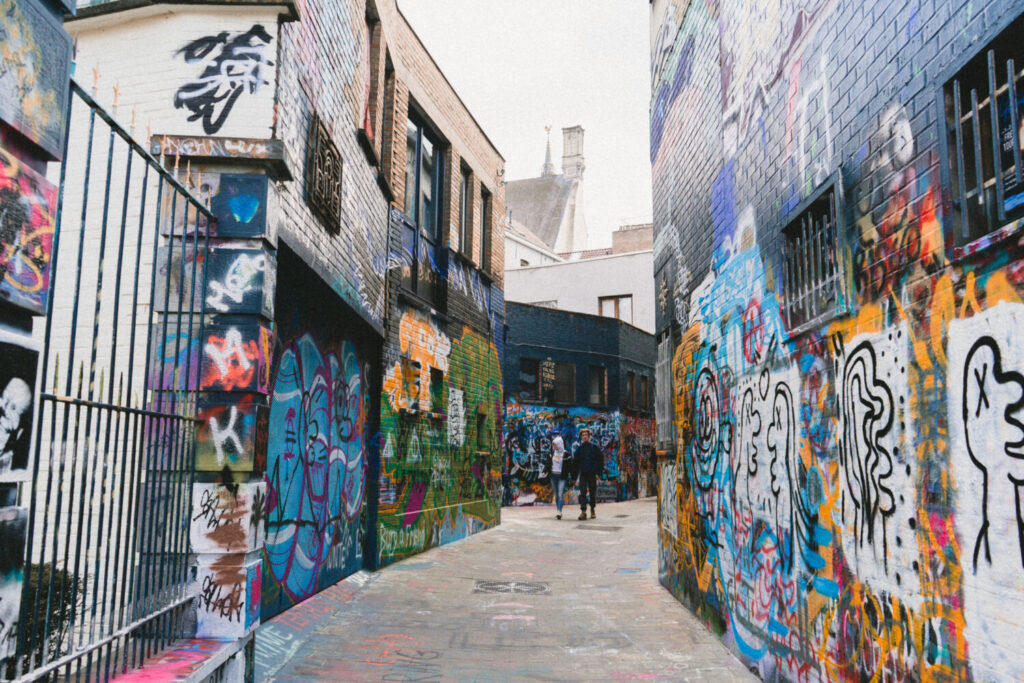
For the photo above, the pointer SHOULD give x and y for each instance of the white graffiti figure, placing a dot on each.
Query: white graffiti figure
(993, 403)
(232, 347)
(241, 277)
(224, 436)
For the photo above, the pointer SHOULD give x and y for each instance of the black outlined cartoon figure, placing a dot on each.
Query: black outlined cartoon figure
(867, 417)
(993, 401)
(233, 66)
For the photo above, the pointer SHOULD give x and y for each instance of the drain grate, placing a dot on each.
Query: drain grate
(521, 587)
(595, 527)
(621, 516)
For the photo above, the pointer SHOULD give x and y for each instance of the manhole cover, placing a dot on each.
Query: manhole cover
(594, 527)
(521, 587)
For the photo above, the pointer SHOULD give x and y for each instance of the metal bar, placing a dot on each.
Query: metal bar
(978, 162)
(997, 162)
(89, 463)
(961, 166)
(141, 436)
(1011, 75)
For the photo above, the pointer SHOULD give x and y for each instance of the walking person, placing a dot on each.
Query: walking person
(559, 471)
(590, 463)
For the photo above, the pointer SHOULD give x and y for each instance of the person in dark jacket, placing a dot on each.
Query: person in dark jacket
(589, 462)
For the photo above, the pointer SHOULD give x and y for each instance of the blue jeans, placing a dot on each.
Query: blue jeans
(558, 486)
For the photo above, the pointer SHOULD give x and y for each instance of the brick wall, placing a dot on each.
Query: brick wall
(830, 504)
(553, 336)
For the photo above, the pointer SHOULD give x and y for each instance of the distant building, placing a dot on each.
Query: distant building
(548, 209)
(614, 282)
(564, 371)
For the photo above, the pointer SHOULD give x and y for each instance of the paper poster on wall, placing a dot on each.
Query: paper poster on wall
(19, 382)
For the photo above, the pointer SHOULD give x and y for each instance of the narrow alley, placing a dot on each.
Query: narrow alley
(533, 599)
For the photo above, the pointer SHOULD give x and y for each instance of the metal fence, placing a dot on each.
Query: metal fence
(106, 580)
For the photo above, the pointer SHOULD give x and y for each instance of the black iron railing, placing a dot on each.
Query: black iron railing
(106, 579)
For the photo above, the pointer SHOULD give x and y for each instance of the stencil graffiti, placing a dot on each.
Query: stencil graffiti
(19, 360)
(232, 65)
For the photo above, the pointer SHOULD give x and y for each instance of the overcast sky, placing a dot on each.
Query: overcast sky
(520, 65)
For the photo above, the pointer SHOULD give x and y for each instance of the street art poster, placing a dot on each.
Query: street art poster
(13, 529)
(19, 395)
(35, 64)
(229, 595)
(29, 204)
(239, 202)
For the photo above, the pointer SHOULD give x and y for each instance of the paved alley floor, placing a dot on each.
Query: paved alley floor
(585, 605)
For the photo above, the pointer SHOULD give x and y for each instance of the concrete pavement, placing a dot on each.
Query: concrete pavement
(535, 599)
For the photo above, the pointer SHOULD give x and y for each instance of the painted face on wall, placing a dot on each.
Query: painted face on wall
(15, 401)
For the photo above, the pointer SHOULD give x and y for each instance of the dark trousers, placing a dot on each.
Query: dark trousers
(588, 482)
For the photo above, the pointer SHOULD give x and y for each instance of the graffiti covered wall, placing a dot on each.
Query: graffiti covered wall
(320, 433)
(624, 438)
(835, 493)
(440, 473)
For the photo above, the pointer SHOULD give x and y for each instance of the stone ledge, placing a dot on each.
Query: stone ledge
(193, 659)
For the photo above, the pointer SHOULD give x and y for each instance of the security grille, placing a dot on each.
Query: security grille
(810, 272)
(521, 587)
(984, 162)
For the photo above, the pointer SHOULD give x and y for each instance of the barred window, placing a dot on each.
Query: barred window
(810, 272)
(984, 141)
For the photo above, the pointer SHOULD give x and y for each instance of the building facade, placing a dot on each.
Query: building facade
(565, 371)
(344, 278)
(837, 216)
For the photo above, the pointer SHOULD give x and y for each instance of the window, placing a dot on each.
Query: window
(984, 142)
(598, 384)
(620, 307)
(529, 379)
(485, 229)
(810, 274)
(565, 382)
(411, 383)
(369, 105)
(437, 396)
(631, 390)
(422, 179)
(645, 392)
(465, 212)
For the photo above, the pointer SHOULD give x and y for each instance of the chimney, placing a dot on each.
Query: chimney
(572, 152)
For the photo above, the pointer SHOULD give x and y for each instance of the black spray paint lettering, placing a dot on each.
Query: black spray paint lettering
(867, 417)
(233, 66)
(993, 399)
